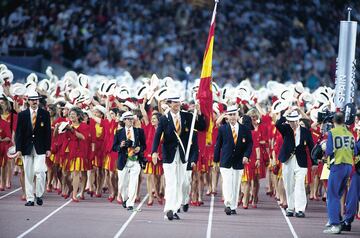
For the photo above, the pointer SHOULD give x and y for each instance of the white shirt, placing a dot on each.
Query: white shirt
(174, 117)
(32, 112)
(236, 127)
(297, 136)
(132, 137)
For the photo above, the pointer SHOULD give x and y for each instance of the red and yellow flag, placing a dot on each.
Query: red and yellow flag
(204, 94)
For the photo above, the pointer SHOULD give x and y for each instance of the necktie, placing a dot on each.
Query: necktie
(234, 135)
(33, 121)
(177, 125)
(130, 149)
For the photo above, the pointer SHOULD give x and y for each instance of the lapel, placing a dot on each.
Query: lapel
(170, 119)
(28, 116)
(183, 121)
(229, 130)
(38, 118)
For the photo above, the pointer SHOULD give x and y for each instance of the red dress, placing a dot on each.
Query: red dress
(110, 156)
(100, 133)
(10, 124)
(55, 142)
(250, 168)
(4, 146)
(77, 149)
(150, 168)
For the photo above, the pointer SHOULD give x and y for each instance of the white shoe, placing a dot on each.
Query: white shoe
(327, 224)
(335, 229)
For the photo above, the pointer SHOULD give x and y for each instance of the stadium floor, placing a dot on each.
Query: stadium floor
(96, 217)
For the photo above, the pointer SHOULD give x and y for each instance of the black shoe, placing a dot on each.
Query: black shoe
(289, 214)
(39, 201)
(29, 204)
(130, 208)
(345, 226)
(176, 217)
(178, 211)
(227, 211)
(300, 214)
(233, 212)
(170, 215)
(124, 204)
(186, 207)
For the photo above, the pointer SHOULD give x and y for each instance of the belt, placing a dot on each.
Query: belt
(133, 158)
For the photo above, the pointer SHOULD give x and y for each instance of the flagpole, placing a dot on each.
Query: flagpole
(187, 153)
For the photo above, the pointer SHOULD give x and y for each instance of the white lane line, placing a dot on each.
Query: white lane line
(208, 231)
(289, 224)
(44, 219)
(4, 196)
(122, 229)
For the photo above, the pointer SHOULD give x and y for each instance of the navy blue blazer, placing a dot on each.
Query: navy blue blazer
(120, 136)
(27, 137)
(170, 142)
(288, 147)
(226, 152)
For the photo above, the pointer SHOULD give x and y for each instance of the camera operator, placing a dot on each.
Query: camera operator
(129, 142)
(340, 148)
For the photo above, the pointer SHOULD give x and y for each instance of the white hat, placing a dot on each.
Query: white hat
(142, 91)
(100, 109)
(30, 86)
(173, 96)
(293, 116)
(232, 109)
(62, 126)
(244, 93)
(70, 77)
(44, 85)
(122, 92)
(83, 80)
(74, 94)
(130, 105)
(127, 115)
(109, 88)
(11, 153)
(33, 95)
(6, 76)
(299, 88)
(3, 67)
(32, 78)
(154, 82)
(168, 81)
(278, 106)
(17, 89)
(161, 94)
(49, 72)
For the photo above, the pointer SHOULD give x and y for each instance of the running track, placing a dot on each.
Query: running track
(96, 217)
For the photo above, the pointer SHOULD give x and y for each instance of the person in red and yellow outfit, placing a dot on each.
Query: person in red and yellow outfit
(77, 145)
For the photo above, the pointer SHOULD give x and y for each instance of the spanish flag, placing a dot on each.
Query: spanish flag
(204, 94)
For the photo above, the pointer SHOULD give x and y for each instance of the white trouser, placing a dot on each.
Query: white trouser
(34, 164)
(128, 180)
(186, 187)
(294, 183)
(231, 186)
(174, 174)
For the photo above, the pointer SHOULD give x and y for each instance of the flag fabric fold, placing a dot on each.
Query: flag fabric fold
(204, 94)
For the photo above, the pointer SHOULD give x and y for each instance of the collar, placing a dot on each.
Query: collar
(174, 115)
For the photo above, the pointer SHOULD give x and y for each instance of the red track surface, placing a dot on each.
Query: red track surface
(96, 217)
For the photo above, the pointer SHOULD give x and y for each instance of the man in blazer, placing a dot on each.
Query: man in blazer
(130, 143)
(293, 158)
(175, 128)
(33, 140)
(233, 149)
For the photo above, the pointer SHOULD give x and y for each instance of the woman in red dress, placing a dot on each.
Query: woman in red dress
(10, 117)
(77, 146)
(5, 139)
(111, 157)
(101, 128)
